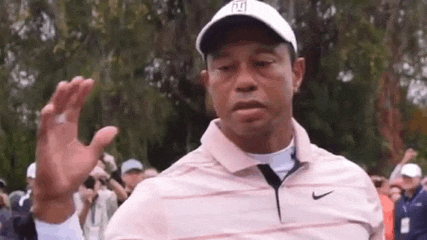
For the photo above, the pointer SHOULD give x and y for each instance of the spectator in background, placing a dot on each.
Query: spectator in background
(96, 204)
(395, 179)
(108, 163)
(132, 174)
(15, 196)
(24, 204)
(383, 189)
(6, 223)
(395, 193)
(109, 175)
(411, 216)
(408, 156)
(21, 210)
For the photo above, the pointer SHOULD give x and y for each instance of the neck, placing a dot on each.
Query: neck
(264, 142)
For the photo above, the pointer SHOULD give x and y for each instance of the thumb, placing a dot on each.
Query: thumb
(102, 139)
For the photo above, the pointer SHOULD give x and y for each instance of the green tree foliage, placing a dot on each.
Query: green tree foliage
(142, 55)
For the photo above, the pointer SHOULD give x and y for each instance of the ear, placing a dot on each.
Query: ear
(204, 78)
(298, 72)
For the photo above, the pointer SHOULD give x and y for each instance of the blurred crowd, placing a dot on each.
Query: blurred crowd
(402, 196)
(107, 187)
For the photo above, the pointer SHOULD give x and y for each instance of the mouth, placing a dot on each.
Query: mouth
(247, 105)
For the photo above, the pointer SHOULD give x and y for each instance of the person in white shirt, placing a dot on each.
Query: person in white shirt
(95, 205)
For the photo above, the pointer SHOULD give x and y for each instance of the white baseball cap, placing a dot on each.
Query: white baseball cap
(253, 9)
(131, 164)
(411, 170)
(31, 170)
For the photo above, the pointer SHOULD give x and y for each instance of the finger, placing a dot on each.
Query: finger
(102, 139)
(76, 103)
(60, 96)
(46, 120)
(59, 90)
(64, 93)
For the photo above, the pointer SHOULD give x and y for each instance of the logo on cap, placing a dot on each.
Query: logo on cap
(239, 6)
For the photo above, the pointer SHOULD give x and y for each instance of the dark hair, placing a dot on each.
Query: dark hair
(378, 181)
(378, 184)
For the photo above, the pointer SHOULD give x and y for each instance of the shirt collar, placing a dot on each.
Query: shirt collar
(418, 190)
(235, 159)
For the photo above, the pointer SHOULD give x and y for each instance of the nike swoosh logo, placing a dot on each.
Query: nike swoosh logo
(320, 196)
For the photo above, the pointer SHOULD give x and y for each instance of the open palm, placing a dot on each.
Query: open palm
(63, 161)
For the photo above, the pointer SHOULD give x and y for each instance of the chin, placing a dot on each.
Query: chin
(255, 128)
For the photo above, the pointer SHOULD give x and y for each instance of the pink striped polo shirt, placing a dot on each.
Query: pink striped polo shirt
(218, 192)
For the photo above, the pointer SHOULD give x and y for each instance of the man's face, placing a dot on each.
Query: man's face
(410, 183)
(252, 80)
(132, 177)
(395, 194)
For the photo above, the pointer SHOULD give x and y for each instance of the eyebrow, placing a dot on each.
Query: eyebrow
(269, 49)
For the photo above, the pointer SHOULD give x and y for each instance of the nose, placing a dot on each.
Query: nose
(245, 81)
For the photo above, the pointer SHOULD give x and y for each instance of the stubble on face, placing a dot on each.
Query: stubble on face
(411, 184)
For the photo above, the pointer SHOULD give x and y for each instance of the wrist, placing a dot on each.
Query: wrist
(53, 211)
(87, 202)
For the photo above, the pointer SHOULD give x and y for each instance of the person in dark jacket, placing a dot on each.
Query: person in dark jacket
(411, 219)
(22, 220)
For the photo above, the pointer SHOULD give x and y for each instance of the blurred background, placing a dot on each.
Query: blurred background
(364, 94)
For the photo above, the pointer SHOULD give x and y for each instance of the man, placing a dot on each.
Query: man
(395, 176)
(22, 221)
(25, 203)
(132, 174)
(255, 176)
(95, 204)
(411, 219)
(395, 192)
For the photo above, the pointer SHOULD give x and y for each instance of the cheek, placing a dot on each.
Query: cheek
(220, 93)
(280, 93)
(125, 179)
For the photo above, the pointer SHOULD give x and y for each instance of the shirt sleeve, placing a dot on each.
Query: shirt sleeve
(396, 172)
(68, 230)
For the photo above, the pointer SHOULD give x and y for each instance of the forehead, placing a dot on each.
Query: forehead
(250, 47)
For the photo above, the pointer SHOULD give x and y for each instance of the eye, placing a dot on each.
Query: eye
(226, 68)
(263, 63)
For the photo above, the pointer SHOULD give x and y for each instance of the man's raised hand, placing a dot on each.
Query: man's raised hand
(63, 162)
(408, 156)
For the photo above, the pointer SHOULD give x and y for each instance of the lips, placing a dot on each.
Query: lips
(247, 105)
